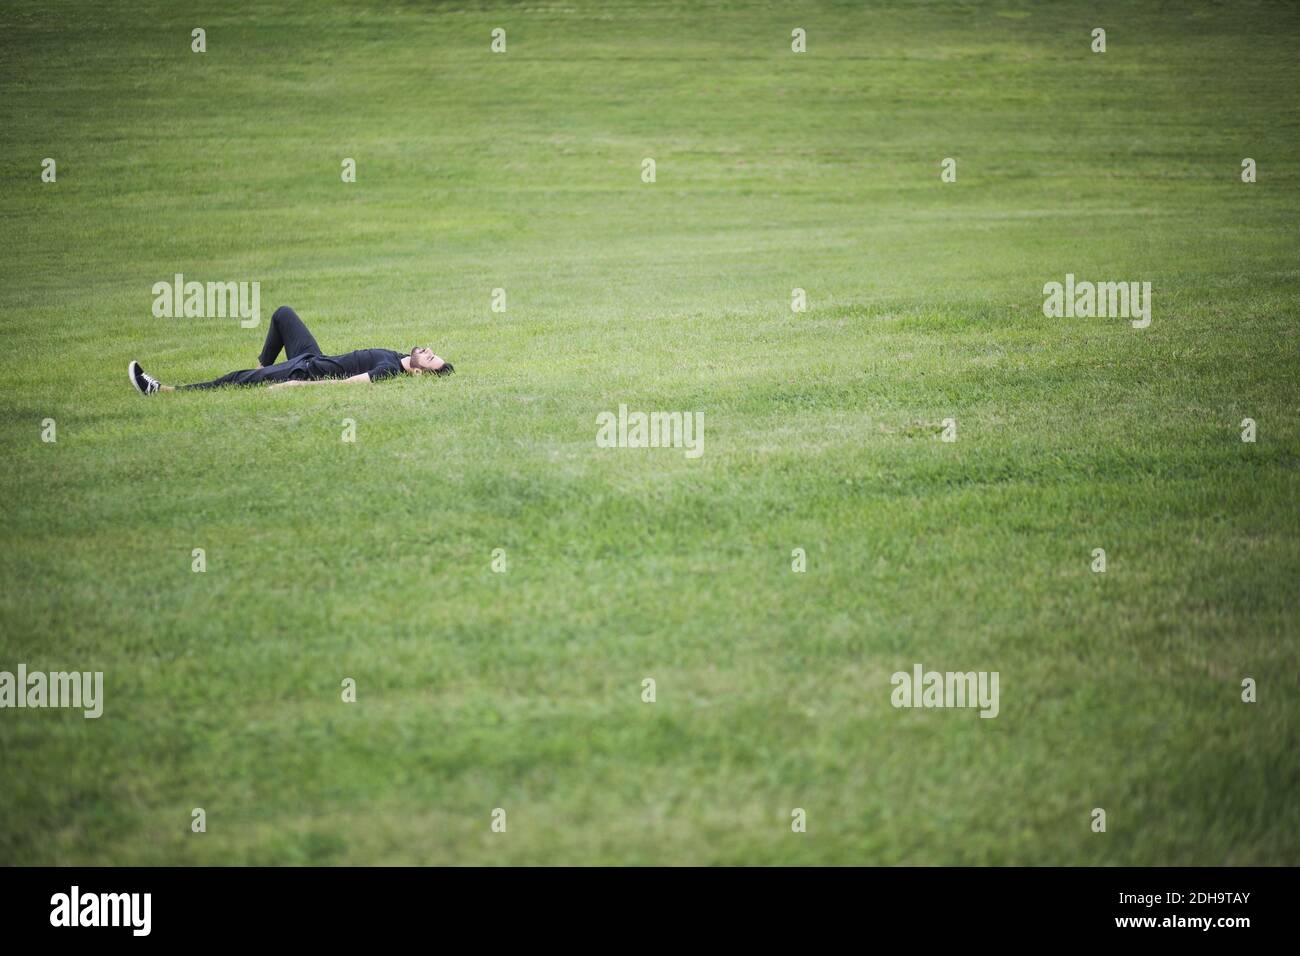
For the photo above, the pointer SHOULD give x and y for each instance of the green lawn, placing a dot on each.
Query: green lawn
(522, 690)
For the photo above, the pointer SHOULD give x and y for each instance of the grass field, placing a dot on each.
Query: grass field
(522, 690)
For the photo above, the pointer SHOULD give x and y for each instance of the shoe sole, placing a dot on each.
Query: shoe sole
(130, 374)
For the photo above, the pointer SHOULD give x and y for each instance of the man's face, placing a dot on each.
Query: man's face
(423, 360)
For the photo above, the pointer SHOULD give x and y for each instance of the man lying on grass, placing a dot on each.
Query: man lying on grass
(304, 364)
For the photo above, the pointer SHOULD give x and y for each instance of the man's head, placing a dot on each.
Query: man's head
(423, 360)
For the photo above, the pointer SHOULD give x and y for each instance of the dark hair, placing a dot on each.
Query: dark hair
(447, 369)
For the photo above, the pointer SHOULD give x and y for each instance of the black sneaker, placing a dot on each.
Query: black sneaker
(144, 384)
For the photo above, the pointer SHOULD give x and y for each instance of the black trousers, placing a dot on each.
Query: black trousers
(287, 332)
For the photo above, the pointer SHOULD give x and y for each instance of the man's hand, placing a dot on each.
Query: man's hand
(361, 377)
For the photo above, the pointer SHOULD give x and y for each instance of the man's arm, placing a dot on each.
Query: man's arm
(362, 377)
